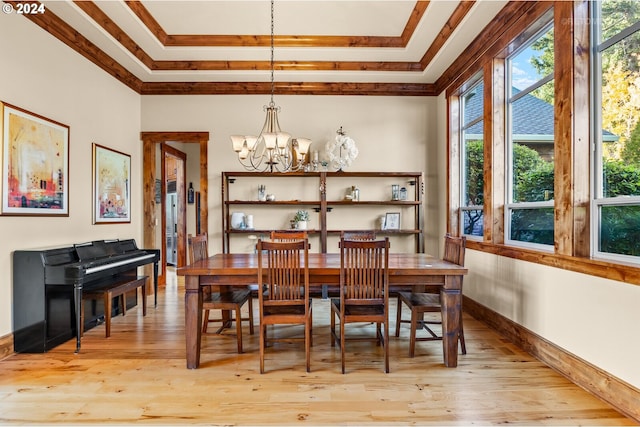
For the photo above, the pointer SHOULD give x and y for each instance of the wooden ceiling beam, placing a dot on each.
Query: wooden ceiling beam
(55, 26)
(286, 88)
(218, 40)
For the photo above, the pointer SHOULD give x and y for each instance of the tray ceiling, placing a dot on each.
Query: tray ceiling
(359, 42)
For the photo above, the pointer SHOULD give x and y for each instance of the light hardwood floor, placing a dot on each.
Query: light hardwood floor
(139, 376)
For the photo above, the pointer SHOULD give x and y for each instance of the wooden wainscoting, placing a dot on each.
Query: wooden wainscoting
(6, 346)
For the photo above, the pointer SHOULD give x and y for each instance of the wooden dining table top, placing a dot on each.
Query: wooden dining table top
(400, 264)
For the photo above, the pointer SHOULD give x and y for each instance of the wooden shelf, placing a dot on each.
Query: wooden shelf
(404, 231)
(275, 202)
(323, 207)
(256, 231)
(374, 202)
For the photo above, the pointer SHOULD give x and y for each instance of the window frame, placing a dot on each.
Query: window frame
(486, 55)
(597, 165)
(510, 99)
(470, 85)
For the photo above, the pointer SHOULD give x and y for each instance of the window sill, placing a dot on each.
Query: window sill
(627, 273)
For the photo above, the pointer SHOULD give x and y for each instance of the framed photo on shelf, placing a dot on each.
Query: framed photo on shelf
(35, 164)
(111, 186)
(392, 221)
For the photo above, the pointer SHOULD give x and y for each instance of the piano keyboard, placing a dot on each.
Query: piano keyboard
(106, 266)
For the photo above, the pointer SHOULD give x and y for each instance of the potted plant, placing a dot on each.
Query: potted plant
(301, 218)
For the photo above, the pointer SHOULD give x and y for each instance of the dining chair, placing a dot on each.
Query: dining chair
(283, 278)
(364, 292)
(288, 235)
(425, 302)
(228, 299)
(358, 235)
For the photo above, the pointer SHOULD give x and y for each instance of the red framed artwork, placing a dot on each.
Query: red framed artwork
(35, 164)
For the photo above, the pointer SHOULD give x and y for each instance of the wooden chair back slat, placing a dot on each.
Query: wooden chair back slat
(358, 235)
(286, 278)
(198, 247)
(454, 249)
(288, 235)
(364, 270)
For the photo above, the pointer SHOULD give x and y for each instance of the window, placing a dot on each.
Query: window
(529, 217)
(472, 156)
(616, 83)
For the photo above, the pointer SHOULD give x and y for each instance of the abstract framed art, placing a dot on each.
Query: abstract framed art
(35, 164)
(111, 186)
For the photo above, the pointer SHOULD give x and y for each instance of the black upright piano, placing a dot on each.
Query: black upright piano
(48, 285)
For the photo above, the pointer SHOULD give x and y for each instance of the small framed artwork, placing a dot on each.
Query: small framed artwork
(35, 164)
(111, 186)
(392, 221)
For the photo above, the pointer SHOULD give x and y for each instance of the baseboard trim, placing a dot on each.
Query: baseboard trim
(622, 396)
(6, 346)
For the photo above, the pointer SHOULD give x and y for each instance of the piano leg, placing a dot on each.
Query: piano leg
(77, 299)
(155, 284)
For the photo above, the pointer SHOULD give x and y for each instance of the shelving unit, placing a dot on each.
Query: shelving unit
(324, 193)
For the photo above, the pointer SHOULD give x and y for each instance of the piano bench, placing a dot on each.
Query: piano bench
(111, 290)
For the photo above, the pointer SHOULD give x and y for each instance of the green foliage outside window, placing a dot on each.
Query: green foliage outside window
(474, 188)
(531, 177)
(532, 225)
(474, 173)
(620, 224)
(620, 230)
(532, 182)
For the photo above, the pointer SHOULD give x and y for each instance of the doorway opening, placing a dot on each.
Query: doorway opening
(173, 196)
(154, 222)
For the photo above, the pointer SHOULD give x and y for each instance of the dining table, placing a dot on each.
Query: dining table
(414, 270)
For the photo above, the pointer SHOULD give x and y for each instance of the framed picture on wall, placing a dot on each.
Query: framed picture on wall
(111, 186)
(392, 221)
(35, 164)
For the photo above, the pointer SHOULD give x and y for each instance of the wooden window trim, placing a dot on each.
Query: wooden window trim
(573, 154)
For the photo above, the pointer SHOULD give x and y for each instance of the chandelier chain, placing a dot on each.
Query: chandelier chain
(272, 150)
(272, 61)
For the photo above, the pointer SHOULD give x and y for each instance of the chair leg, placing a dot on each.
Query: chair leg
(307, 343)
(239, 328)
(386, 347)
(398, 317)
(250, 307)
(263, 334)
(205, 322)
(333, 328)
(342, 343)
(412, 333)
(461, 336)
(310, 327)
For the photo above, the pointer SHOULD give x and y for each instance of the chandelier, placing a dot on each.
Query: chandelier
(272, 150)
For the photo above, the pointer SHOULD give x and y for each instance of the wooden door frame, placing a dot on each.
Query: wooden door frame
(181, 191)
(149, 175)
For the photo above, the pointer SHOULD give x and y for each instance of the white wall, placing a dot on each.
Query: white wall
(392, 134)
(595, 319)
(40, 74)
